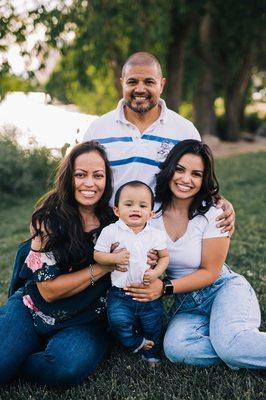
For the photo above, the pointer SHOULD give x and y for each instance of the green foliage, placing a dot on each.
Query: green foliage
(23, 172)
(251, 122)
(97, 97)
(11, 83)
(124, 376)
(96, 36)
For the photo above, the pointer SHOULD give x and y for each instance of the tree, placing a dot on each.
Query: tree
(204, 95)
(236, 37)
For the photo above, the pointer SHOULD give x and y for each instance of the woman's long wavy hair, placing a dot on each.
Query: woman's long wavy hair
(209, 190)
(57, 212)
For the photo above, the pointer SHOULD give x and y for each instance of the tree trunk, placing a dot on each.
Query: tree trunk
(203, 112)
(179, 33)
(203, 102)
(117, 71)
(234, 97)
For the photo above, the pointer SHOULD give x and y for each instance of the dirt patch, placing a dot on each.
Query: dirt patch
(222, 149)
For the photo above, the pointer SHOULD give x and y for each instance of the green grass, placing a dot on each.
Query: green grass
(123, 376)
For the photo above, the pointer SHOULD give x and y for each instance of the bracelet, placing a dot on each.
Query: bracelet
(91, 275)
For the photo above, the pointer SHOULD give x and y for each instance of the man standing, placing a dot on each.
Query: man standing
(141, 131)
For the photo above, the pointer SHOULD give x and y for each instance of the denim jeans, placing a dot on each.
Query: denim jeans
(132, 321)
(217, 323)
(62, 359)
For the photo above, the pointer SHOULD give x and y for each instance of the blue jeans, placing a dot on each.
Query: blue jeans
(62, 359)
(217, 323)
(132, 321)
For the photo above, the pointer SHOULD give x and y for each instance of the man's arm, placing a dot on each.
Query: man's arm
(227, 218)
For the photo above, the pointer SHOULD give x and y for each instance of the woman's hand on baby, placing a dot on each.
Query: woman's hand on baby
(119, 267)
(121, 257)
(152, 258)
(149, 276)
(144, 293)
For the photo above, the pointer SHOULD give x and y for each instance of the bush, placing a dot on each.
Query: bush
(251, 122)
(23, 171)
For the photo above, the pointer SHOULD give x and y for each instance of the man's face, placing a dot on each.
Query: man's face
(142, 86)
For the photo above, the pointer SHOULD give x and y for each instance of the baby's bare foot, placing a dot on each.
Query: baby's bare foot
(148, 344)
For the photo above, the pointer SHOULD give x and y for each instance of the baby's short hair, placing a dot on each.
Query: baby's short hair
(133, 184)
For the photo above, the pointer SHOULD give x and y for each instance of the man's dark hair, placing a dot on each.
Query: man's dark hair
(142, 58)
(133, 184)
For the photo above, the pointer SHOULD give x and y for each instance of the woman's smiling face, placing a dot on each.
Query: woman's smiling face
(89, 178)
(188, 176)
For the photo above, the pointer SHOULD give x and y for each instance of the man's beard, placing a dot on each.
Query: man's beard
(140, 109)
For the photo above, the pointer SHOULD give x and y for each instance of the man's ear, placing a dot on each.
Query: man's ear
(163, 82)
(116, 211)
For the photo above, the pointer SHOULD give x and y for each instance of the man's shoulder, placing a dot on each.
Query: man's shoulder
(103, 119)
(98, 127)
(177, 118)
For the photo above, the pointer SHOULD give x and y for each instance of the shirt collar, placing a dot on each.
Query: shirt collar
(124, 227)
(120, 114)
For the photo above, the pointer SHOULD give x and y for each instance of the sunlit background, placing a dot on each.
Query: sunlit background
(60, 64)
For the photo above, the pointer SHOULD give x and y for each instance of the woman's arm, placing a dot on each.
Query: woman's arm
(214, 252)
(121, 257)
(67, 285)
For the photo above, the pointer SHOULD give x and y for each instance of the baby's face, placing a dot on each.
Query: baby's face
(134, 207)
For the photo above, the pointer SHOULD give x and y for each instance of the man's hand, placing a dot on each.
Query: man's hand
(227, 218)
(143, 293)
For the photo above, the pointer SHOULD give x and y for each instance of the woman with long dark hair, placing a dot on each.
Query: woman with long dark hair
(215, 315)
(51, 329)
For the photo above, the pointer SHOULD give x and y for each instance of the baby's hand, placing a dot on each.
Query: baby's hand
(122, 257)
(149, 276)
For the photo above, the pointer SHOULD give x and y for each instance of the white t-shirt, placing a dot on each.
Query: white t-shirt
(138, 244)
(185, 253)
(134, 155)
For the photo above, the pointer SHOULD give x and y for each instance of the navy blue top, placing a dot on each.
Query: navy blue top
(79, 308)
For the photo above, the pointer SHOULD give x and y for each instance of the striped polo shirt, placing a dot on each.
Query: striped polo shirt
(134, 155)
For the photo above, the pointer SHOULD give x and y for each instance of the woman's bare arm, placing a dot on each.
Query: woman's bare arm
(67, 285)
(214, 252)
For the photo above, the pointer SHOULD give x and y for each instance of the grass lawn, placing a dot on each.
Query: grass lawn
(123, 376)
